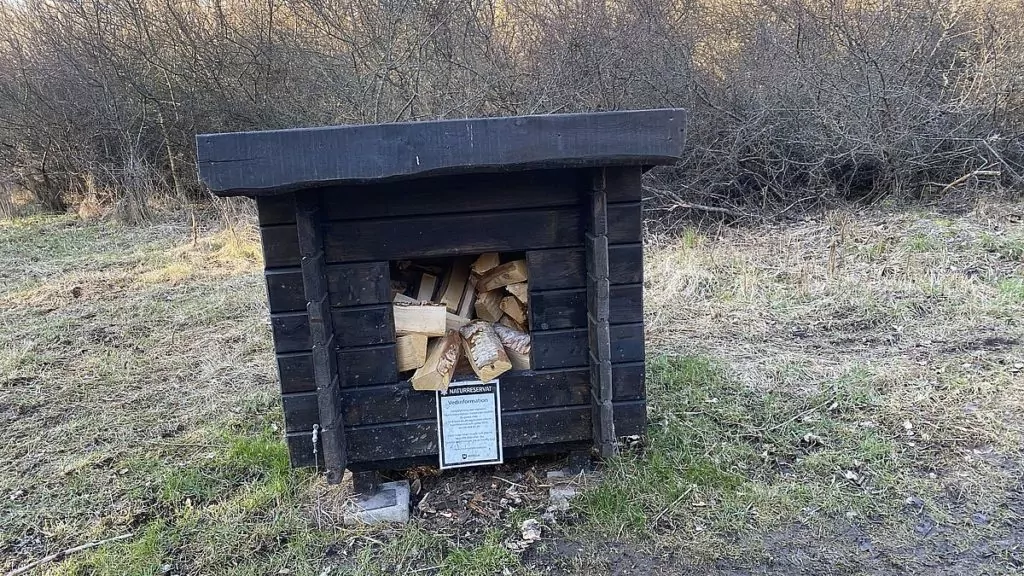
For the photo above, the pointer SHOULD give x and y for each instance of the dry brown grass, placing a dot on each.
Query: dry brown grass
(137, 393)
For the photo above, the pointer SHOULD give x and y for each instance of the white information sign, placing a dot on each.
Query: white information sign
(469, 424)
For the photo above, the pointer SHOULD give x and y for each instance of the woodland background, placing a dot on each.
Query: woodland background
(793, 102)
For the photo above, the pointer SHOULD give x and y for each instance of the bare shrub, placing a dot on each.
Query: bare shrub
(792, 102)
(7, 210)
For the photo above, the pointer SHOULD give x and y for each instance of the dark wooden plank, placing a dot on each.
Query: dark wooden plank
(519, 391)
(511, 453)
(349, 285)
(628, 381)
(368, 365)
(566, 267)
(301, 411)
(359, 284)
(364, 325)
(320, 334)
(280, 246)
(398, 402)
(453, 194)
(296, 372)
(626, 263)
(277, 209)
(623, 183)
(259, 163)
(559, 349)
(625, 223)
(559, 309)
(548, 430)
(598, 312)
(284, 290)
(452, 234)
(555, 269)
(627, 343)
(569, 348)
(291, 332)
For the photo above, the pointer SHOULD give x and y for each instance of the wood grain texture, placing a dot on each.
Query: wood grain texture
(380, 446)
(569, 348)
(368, 365)
(623, 184)
(280, 246)
(295, 372)
(562, 268)
(320, 335)
(597, 224)
(454, 194)
(260, 163)
(559, 309)
(362, 326)
(625, 223)
(277, 209)
(397, 401)
(452, 234)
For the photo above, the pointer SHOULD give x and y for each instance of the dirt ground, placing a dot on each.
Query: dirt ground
(837, 394)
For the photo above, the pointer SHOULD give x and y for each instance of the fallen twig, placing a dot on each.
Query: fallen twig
(968, 176)
(68, 552)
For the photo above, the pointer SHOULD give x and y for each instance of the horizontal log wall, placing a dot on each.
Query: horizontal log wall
(535, 212)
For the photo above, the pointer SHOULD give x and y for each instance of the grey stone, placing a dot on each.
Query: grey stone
(389, 504)
(560, 496)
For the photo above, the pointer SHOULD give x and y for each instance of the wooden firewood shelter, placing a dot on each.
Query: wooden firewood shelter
(338, 206)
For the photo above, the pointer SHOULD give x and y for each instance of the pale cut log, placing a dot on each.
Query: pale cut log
(517, 345)
(442, 357)
(501, 276)
(511, 323)
(520, 290)
(488, 305)
(411, 350)
(452, 321)
(420, 318)
(513, 339)
(455, 284)
(483, 348)
(428, 284)
(485, 263)
(468, 298)
(513, 307)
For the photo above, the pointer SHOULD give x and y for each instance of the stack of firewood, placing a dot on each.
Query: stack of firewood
(468, 315)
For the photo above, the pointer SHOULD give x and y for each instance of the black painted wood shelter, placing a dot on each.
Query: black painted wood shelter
(338, 204)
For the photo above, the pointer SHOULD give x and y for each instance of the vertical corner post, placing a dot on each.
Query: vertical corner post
(308, 219)
(598, 303)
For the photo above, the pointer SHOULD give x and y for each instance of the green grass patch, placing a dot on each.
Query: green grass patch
(922, 243)
(487, 558)
(1012, 290)
(724, 457)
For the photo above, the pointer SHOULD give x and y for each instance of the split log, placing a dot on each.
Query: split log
(488, 305)
(511, 323)
(468, 298)
(452, 321)
(514, 308)
(517, 345)
(428, 284)
(411, 350)
(436, 372)
(485, 263)
(455, 284)
(501, 276)
(420, 318)
(520, 290)
(483, 348)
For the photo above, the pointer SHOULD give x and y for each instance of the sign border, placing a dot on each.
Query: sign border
(497, 420)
